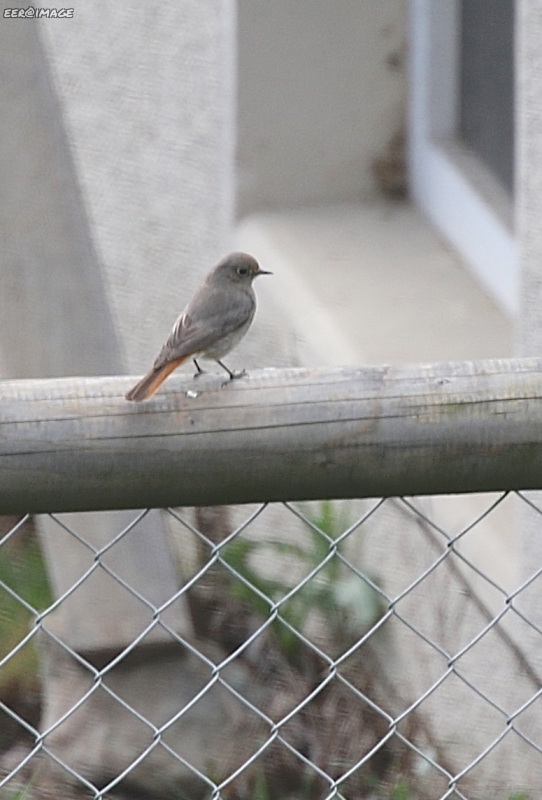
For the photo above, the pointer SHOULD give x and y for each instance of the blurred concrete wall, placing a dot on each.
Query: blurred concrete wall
(55, 317)
(321, 95)
(147, 95)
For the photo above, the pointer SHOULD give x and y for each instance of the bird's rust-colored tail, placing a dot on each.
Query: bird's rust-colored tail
(151, 382)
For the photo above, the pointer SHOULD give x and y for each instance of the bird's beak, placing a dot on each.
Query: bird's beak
(264, 272)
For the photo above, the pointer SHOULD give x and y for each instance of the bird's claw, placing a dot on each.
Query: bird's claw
(234, 376)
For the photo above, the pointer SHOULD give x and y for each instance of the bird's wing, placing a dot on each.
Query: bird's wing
(206, 319)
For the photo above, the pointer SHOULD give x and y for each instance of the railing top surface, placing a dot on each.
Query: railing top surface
(295, 434)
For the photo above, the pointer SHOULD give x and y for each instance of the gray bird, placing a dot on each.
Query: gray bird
(212, 324)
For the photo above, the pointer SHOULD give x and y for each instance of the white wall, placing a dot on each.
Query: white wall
(148, 100)
(321, 93)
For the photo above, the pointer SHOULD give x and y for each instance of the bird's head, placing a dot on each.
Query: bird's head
(238, 268)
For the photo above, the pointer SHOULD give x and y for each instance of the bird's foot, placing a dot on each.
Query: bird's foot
(234, 376)
(200, 371)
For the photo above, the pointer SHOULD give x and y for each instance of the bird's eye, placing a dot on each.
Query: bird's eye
(243, 271)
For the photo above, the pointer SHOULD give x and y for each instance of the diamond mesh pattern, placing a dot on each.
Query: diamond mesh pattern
(362, 649)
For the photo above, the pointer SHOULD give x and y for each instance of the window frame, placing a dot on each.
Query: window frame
(449, 182)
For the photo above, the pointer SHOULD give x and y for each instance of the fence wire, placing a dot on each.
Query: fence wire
(383, 649)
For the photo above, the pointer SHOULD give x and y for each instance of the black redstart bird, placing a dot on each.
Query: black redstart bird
(212, 324)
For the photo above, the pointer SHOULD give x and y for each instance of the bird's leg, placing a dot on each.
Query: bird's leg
(200, 371)
(233, 375)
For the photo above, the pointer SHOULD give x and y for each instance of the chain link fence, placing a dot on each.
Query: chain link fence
(378, 648)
